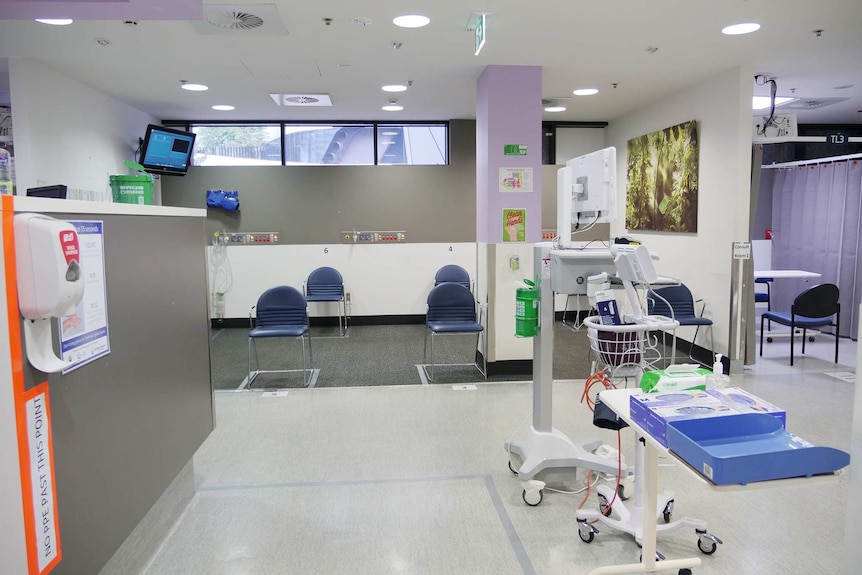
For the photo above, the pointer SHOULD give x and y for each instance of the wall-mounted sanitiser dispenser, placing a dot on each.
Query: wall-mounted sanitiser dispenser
(50, 282)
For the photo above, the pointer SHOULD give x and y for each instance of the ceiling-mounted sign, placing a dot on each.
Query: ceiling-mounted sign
(480, 34)
(515, 149)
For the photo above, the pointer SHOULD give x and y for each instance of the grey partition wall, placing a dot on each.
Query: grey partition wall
(312, 204)
(126, 424)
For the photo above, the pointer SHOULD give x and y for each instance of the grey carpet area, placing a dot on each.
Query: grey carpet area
(375, 355)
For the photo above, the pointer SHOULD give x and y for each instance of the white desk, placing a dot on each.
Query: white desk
(618, 401)
(786, 274)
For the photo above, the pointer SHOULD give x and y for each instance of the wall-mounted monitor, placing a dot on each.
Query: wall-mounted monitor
(586, 190)
(167, 151)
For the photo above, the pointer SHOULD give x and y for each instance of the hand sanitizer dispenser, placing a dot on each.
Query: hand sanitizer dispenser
(50, 282)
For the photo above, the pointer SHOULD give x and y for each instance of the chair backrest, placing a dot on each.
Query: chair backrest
(451, 302)
(674, 301)
(325, 281)
(452, 273)
(282, 305)
(818, 301)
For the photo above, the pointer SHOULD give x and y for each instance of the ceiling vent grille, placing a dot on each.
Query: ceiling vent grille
(305, 100)
(248, 19)
(235, 20)
(811, 103)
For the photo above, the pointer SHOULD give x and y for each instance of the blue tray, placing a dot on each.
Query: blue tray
(749, 447)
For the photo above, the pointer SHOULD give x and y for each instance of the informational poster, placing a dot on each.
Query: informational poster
(516, 179)
(514, 225)
(84, 333)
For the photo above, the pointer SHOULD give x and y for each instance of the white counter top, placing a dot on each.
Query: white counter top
(49, 206)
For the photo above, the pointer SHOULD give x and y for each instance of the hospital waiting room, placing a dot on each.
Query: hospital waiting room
(389, 288)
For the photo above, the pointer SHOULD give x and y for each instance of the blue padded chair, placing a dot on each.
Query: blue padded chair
(453, 273)
(281, 312)
(815, 307)
(451, 310)
(325, 284)
(764, 296)
(676, 302)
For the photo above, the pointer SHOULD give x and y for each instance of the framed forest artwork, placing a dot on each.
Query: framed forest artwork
(661, 170)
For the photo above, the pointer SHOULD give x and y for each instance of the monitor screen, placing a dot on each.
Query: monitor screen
(57, 192)
(586, 190)
(167, 151)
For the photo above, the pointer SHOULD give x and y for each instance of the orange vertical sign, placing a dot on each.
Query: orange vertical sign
(33, 420)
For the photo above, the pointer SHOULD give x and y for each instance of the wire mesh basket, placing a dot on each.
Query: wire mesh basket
(623, 350)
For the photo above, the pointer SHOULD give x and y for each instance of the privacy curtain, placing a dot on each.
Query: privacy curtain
(816, 216)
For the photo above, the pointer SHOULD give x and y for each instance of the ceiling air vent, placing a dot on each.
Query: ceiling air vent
(811, 103)
(301, 99)
(244, 19)
(235, 20)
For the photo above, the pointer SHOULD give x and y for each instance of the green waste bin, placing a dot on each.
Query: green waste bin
(136, 189)
(527, 310)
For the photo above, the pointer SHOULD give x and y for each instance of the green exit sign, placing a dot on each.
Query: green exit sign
(514, 149)
(480, 34)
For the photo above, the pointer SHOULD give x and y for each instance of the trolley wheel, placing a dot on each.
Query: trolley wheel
(587, 537)
(707, 549)
(667, 513)
(623, 492)
(685, 571)
(512, 469)
(811, 339)
(769, 339)
(533, 498)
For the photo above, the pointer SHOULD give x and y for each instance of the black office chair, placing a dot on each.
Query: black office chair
(325, 284)
(280, 312)
(451, 310)
(815, 307)
(453, 273)
(676, 302)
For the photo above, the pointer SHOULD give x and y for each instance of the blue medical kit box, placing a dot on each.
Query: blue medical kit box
(749, 447)
(654, 411)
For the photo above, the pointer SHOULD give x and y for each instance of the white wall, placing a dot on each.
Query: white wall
(722, 107)
(68, 133)
(382, 279)
(574, 142)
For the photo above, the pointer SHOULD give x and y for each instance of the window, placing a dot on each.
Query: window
(351, 144)
(237, 145)
(412, 144)
(328, 144)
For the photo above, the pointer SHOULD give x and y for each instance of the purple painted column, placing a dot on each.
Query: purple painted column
(508, 113)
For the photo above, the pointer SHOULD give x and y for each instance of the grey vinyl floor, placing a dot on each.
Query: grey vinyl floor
(413, 479)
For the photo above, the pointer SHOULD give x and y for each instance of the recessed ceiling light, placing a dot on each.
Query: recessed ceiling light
(193, 87)
(390, 133)
(763, 102)
(585, 92)
(737, 29)
(393, 108)
(555, 109)
(411, 21)
(393, 88)
(55, 21)
(223, 107)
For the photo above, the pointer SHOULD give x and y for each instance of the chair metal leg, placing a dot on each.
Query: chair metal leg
(761, 336)
(252, 343)
(792, 337)
(837, 334)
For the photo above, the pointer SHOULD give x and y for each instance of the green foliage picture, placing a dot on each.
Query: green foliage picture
(661, 170)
